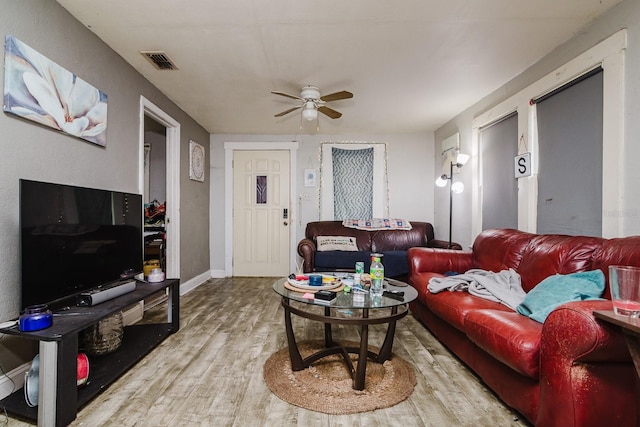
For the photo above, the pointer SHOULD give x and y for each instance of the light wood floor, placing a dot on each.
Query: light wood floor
(210, 372)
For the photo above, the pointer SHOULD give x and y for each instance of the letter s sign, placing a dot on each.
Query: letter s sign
(523, 165)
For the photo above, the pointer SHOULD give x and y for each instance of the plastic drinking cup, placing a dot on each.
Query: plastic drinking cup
(624, 283)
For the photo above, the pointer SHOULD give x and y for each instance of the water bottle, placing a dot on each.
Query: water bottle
(377, 276)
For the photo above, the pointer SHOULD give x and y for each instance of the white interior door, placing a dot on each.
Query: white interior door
(261, 213)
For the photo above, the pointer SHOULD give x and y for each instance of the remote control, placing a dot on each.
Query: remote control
(397, 295)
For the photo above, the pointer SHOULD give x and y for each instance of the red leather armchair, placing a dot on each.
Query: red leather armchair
(572, 370)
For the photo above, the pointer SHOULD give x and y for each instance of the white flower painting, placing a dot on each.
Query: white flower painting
(38, 89)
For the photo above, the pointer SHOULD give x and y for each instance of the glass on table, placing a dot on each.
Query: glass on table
(624, 283)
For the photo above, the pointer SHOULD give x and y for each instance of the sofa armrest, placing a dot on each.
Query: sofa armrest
(586, 373)
(574, 333)
(443, 244)
(307, 250)
(434, 260)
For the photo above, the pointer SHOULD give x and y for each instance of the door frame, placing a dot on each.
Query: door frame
(172, 216)
(229, 148)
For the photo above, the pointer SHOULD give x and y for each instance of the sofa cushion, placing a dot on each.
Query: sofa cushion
(549, 254)
(397, 240)
(618, 251)
(497, 250)
(453, 307)
(395, 263)
(340, 260)
(509, 337)
(335, 228)
(420, 281)
(336, 243)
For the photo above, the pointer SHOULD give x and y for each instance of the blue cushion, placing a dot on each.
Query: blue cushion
(395, 262)
(340, 260)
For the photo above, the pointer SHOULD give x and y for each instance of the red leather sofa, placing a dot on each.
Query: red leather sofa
(572, 370)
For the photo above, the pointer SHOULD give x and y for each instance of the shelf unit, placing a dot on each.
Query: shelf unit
(59, 349)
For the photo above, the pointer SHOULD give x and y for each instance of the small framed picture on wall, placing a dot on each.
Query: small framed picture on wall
(309, 177)
(196, 161)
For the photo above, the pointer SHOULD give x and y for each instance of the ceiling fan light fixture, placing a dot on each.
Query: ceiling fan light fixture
(309, 92)
(310, 103)
(309, 111)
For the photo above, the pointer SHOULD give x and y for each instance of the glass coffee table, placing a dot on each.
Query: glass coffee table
(387, 311)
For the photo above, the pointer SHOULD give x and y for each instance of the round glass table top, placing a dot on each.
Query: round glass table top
(354, 298)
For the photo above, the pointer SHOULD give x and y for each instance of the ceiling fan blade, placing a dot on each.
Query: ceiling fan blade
(329, 112)
(275, 92)
(336, 96)
(287, 111)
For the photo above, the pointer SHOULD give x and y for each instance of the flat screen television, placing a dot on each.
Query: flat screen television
(74, 239)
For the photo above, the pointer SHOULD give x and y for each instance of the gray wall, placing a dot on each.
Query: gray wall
(39, 153)
(624, 15)
(409, 169)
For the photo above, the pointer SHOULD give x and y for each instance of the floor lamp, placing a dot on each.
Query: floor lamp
(454, 187)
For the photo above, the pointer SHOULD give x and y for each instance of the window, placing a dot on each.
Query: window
(261, 190)
(498, 147)
(570, 160)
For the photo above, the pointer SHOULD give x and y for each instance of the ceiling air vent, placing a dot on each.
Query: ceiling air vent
(159, 59)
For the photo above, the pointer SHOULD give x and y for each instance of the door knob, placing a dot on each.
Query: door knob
(285, 223)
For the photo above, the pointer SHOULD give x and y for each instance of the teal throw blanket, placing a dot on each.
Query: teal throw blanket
(558, 289)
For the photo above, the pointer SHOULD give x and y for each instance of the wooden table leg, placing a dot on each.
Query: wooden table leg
(328, 338)
(633, 344)
(361, 370)
(294, 352)
(387, 345)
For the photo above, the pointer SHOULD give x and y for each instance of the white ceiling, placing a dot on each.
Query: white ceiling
(411, 64)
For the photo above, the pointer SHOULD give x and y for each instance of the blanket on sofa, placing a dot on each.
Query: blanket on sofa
(503, 287)
(376, 224)
(561, 288)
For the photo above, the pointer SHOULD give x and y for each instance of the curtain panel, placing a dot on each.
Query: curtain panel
(353, 181)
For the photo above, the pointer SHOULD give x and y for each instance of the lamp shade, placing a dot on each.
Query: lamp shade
(461, 159)
(457, 187)
(442, 180)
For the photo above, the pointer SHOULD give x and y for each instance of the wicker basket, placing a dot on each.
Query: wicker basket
(104, 337)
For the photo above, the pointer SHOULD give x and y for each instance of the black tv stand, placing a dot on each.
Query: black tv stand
(58, 396)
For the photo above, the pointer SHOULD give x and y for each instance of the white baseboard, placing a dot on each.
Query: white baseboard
(17, 375)
(193, 283)
(218, 274)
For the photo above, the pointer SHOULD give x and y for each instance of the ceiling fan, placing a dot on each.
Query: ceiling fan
(311, 102)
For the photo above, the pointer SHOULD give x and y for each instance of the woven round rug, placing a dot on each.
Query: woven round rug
(326, 385)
